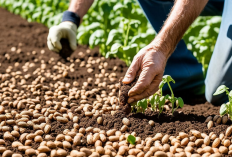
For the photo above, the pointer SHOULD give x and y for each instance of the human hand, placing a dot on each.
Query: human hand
(65, 30)
(149, 64)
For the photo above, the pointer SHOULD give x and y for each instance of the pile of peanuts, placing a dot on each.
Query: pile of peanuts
(27, 109)
(217, 119)
(114, 143)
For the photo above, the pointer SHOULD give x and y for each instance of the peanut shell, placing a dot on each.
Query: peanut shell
(216, 143)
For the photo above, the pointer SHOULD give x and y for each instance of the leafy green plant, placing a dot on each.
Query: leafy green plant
(157, 101)
(225, 108)
(131, 139)
(178, 101)
(142, 105)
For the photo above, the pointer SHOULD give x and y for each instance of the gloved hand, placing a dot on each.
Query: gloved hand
(65, 30)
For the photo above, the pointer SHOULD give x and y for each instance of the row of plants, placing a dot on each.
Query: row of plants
(157, 101)
(119, 28)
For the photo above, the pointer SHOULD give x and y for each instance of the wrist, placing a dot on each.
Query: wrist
(70, 25)
(71, 17)
(160, 44)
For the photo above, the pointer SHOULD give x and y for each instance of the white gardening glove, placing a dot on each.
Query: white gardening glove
(65, 30)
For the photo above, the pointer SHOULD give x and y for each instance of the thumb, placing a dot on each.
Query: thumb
(55, 36)
(145, 79)
(131, 72)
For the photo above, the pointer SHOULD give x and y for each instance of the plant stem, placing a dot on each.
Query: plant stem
(161, 92)
(172, 97)
(127, 34)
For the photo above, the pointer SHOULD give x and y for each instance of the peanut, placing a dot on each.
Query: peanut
(210, 124)
(43, 149)
(30, 152)
(224, 119)
(208, 119)
(165, 139)
(228, 131)
(184, 142)
(216, 143)
(160, 154)
(7, 153)
(61, 152)
(223, 150)
(126, 121)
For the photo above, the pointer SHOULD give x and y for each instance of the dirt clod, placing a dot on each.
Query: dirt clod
(66, 50)
(123, 95)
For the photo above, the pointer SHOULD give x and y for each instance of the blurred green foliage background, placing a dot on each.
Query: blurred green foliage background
(118, 27)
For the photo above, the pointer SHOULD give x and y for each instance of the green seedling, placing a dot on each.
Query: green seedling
(157, 101)
(131, 139)
(142, 105)
(179, 101)
(225, 108)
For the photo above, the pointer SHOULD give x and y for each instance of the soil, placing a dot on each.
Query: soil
(66, 50)
(17, 32)
(123, 95)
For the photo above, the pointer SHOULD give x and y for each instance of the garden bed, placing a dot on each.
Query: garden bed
(34, 78)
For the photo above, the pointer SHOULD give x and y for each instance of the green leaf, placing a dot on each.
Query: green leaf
(152, 100)
(161, 103)
(112, 35)
(118, 6)
(230, 94)
(156, 98)
(131, 139)
(168, 78)
(95, 38)
(180, 102)
(168, 96)
(221, 89)
(165, 79)
(116, 50)
(162, 83)
(223, 109)
(142, 105)
(115, 47)
(135, 24)
(93, 26)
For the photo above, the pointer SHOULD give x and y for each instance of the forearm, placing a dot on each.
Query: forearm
(182, 15)
(80, 7)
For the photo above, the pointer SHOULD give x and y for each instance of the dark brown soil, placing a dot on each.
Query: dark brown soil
(123, 95)
(66, 50)
(17, 32)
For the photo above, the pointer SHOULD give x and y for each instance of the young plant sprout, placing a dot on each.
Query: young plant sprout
(142, 105)
(131, 139)
(157, 101)
(225, 108)
(179, 101)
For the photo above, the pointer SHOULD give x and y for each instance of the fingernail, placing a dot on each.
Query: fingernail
(130, 100)
(126, 79)
(131, 94)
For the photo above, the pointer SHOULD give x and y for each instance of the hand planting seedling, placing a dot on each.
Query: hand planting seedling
(225, 108)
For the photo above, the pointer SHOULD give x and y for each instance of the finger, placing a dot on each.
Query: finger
(154, 87)
(145, 79)
(72, 40)
(131, 72)
(55, 36)
(51, 47)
